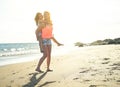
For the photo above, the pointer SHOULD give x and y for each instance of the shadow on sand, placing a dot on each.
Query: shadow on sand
(34, 81)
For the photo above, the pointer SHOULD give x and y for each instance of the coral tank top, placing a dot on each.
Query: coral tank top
(47, 32)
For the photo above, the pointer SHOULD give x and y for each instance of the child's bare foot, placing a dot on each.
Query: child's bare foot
(60, 44)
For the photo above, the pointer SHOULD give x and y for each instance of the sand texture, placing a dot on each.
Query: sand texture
(92, 66)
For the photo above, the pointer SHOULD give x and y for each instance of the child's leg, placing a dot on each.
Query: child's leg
(59, 44)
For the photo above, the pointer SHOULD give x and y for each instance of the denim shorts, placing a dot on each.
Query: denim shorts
(46, 42)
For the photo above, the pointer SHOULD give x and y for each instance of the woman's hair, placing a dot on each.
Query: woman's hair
(37, 17)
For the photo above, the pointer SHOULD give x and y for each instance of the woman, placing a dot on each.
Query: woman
(46, 35)
(40, 23)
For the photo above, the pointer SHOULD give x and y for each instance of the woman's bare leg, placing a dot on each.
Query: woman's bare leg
(41, 59)
(48, 56)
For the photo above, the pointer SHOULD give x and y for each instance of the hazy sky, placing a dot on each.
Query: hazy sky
(73, 20)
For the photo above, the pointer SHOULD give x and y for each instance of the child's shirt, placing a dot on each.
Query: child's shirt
(47, 32)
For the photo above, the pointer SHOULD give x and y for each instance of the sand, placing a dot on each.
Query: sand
(92, 66)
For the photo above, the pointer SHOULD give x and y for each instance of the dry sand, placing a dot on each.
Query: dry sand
(93, 66)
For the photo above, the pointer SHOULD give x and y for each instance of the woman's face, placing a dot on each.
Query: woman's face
(40, 16)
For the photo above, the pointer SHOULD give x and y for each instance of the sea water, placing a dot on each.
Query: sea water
(21, 52)
(18, 52)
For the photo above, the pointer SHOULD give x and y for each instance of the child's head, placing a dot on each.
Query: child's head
(47, 17)
(38, 17)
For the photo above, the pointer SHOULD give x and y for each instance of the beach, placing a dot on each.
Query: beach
(90, 66)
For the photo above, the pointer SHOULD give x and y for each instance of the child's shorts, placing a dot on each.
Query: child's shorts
(46, 42)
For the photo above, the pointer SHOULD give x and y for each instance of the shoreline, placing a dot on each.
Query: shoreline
(96, 66)
(18, 59)
(31, 57)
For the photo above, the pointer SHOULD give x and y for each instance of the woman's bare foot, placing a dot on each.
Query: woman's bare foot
(38, 70)
(49, 70)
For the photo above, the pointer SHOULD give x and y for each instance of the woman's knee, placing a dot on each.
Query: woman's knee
(44, 55)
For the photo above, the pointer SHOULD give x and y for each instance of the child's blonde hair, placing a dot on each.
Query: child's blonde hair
(47, 19)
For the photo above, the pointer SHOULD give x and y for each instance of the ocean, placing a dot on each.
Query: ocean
(18, 52)
(11, 53)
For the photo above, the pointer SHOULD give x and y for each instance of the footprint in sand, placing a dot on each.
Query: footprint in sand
(13, 73)
(105, 62)
(87, 80)
(92, 86)
(104, 80)
(106, 58)
(75, 78)
(116, 64)
(85, 71)
(98, 85)
(93, 74)
(115, 68)
(118, 80)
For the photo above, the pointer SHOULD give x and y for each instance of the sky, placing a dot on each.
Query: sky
(73, 20)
